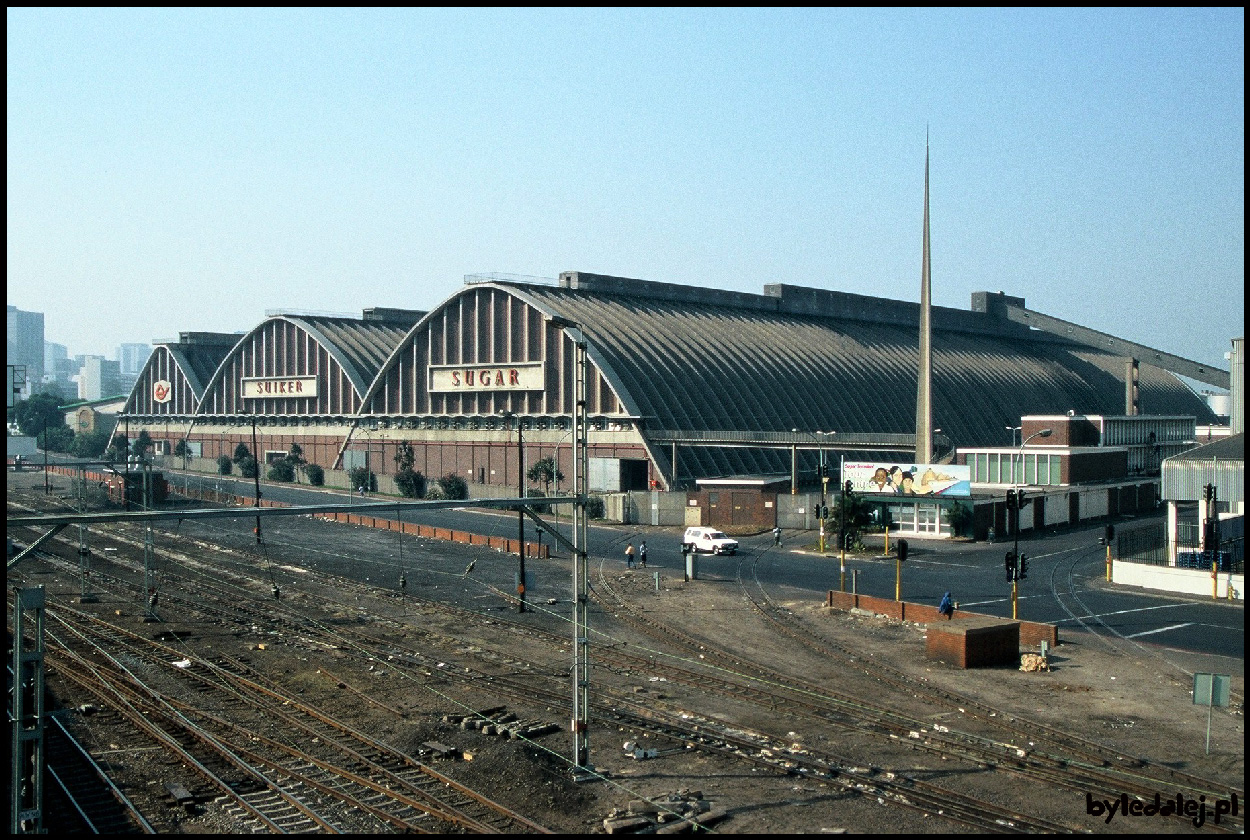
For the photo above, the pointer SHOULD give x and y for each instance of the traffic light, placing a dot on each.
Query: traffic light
(847, 488)
(1110, 534)
(1009, 563)
(1020, 502)
(902, 550)
(1023, 571)
(824, 511)
(1011, 500)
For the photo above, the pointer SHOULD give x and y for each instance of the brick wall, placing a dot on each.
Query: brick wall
(1032, 633)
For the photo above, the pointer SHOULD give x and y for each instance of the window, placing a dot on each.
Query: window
(993, 478)
(1030, 468)
(1043, 469)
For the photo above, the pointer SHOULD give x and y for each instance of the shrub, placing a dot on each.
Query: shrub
(247, 467)
(594, 507)
(536, 493)
(224, 464)
(434, 492)
(454, 487)
(410, 483)
(316, 475)
(363, 477)
(282, 470)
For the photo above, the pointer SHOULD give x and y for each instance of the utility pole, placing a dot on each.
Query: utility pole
(520, 514)
(256, 475)
(520, 518)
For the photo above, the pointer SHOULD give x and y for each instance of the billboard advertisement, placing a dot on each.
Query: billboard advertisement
(908, 479)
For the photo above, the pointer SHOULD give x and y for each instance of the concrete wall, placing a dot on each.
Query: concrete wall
(1172, 579)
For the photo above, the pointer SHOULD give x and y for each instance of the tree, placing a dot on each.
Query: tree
(454, 487)
(247, 467)
(853, 515)
(143, 443)
(119, 447)
(241, 453)
(89, 444)
(297, 460)
(181, 450)
(282, 470)
(56, 438)
(405, 458)
(41, 410)
(960, 518)
(363, 477)
(316, 474)
(545, 471)
(224, 464)
(410, 482)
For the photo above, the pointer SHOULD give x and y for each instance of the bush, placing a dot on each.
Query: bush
(454, 487)
(316, 475)
(536, 493)
(282, 470)
(410, 483)
(247, 467)
(363, 477)
(594, 507)
(224, 464)
(434, 492)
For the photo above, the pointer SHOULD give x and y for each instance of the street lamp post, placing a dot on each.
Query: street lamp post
(1015, 500)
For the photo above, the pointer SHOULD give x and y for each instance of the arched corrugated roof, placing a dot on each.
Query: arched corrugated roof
(686, 364)
(353, 349)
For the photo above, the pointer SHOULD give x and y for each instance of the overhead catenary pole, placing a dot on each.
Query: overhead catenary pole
(581, 584)
(520, 517)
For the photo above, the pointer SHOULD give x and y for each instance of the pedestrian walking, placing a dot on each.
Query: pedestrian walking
(629, 556)
(642, 554)
(991, 534)
(777, 535)
(947, 606)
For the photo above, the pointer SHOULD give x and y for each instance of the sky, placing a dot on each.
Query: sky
(186, 170)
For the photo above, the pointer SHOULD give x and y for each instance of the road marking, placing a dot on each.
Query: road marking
(1160, 630)
(1123, 612)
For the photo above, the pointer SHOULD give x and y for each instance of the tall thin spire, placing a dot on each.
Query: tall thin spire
(924, 403)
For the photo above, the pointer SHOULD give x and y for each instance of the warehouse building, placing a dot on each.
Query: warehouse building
(687, 383)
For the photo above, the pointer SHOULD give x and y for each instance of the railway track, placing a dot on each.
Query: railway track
(234, 590)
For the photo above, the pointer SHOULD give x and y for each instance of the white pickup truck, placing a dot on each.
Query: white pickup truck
(708, 540)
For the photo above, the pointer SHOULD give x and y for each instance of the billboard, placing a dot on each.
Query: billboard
(902, 478)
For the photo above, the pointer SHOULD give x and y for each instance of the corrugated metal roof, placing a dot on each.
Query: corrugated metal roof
(686, 364)
(360, 347)
(1221, 463)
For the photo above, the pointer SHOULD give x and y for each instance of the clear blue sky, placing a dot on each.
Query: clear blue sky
(174, 170)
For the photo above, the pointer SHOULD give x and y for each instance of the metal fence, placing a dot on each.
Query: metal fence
(1149, 544)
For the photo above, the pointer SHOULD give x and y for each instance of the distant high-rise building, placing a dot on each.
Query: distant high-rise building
(98, 378)
(59, 369)
(132, 357)
(25, 344)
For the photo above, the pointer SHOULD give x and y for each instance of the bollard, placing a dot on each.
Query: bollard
(657, 581)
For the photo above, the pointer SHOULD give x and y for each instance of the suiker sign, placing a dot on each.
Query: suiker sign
(279, 387)
(161, 391)
(459, 378)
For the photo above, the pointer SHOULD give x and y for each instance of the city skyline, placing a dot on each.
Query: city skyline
(174, 170)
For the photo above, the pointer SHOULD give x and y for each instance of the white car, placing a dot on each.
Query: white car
(708, 540)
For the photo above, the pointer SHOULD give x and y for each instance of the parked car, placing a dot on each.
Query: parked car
(708, 540)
